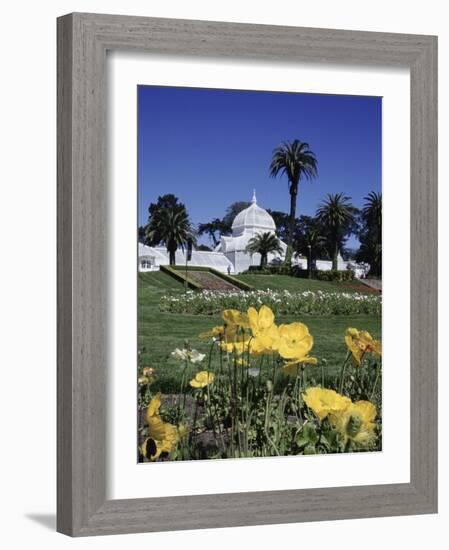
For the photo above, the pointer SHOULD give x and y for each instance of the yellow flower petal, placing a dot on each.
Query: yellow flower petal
(233, 317)
(253, 317)
(266, 317)
(202, 379)
(324, 402)
(356, 422)
(162, 436)
(360, 343)
(266, 341)
(154, 405)
(215, 332)
(295, 341)
(260, 320)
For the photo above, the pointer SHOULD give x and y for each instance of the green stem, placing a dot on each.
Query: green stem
(195, 416)
(379, 368)
(296, 395)
(210, 415)
(267, 435)
(342, 372)
(274, 368)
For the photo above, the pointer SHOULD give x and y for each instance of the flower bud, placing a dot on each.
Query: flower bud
(354, 425)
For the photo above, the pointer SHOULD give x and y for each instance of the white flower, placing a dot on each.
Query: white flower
(193, 356)
(196, 356)
(180, 354)
(254, 372)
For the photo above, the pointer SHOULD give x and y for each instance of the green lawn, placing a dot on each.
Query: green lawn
(160, 333)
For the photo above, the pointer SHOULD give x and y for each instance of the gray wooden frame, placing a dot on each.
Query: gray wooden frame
(83, 40)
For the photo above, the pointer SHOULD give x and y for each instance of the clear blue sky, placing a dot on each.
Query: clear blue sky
(210, 148)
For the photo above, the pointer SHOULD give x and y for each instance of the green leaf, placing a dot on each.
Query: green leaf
(310, 450)
(301, 441)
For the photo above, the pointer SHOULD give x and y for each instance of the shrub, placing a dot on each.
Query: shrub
(334, 275)
(296, 271)
(271, 270)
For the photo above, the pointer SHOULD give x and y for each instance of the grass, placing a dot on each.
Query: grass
(160, 333)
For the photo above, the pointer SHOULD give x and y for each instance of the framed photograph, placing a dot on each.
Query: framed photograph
(247, 274)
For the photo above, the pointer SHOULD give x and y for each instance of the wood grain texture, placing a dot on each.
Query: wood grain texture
(83, 40)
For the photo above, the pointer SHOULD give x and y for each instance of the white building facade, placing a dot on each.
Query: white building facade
(231, 256)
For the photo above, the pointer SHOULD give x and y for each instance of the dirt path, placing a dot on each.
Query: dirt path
(210, 281)
(373, 283)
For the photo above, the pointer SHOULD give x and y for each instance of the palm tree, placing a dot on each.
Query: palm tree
(295, 160)
(264, 244)
(172, 227)
(336, 214)
(371, 234)
(372, 213)
(310, 243)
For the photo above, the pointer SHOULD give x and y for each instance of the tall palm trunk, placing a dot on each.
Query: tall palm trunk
(263, 260)
(292, 220)
(335, 257)
(172, 252)
(214, 238)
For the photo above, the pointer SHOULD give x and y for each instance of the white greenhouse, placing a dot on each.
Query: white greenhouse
(230, 256)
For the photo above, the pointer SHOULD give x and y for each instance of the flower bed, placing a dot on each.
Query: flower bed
(253, 395)
(281, 302)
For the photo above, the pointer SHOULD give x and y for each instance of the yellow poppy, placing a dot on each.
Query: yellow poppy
(265, 332)
(233, 317)
(356, 422)
(235, 340)
(153, 407)
(202, 379)
(265, 340)
(260, 320)
(295, 342)
(162, 436)
(152, 448)
(324, 402)
(360, 342)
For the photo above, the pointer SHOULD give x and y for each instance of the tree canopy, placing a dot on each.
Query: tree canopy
(264, 244)
(338, 218)
(169, 224)
(370, 234)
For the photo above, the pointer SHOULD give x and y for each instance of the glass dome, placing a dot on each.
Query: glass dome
(253, 218)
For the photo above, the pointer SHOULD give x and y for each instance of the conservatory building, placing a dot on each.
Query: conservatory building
(230, 256)
(246, 225)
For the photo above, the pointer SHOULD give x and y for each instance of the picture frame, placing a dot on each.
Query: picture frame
(83, 41)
